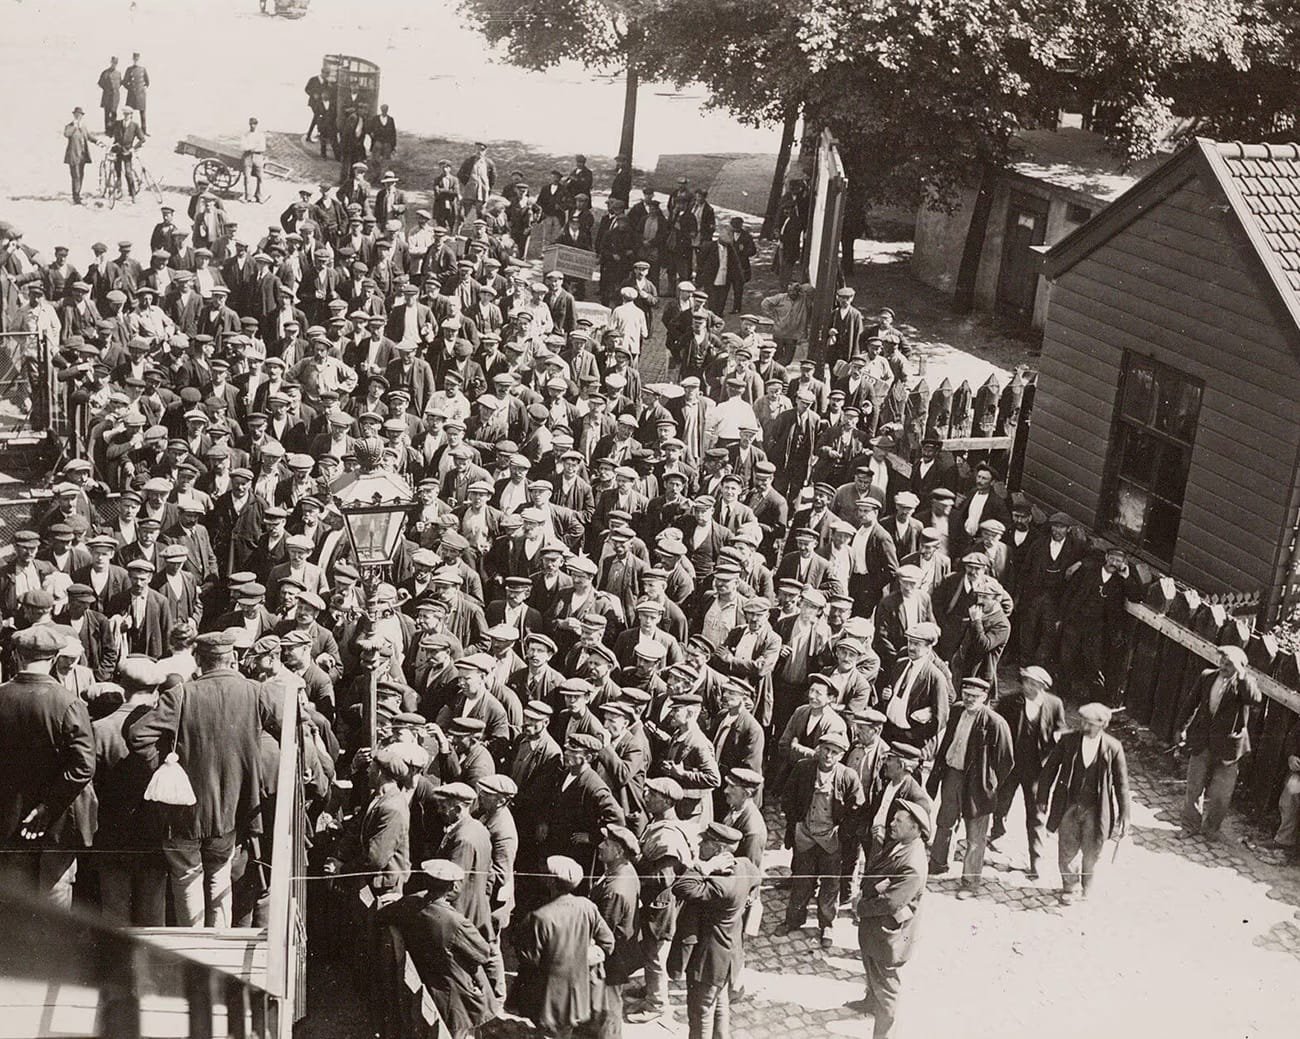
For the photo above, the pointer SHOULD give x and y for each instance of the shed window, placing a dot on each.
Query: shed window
(1150, 455)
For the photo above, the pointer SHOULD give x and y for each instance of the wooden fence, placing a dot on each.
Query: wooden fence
(990, 420)
(1175, 637)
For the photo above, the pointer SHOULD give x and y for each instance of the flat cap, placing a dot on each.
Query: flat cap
(722, 834)
(565, 870)
(625, 837)
(1034, 673)
(462, 792)
(665, 787)
(443, 869)
(40, 642)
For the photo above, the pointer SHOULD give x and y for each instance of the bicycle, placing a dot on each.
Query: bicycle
(110, 178)
(145, 181)
(110, 181)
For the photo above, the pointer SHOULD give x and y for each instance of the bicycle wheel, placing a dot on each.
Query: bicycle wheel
(148, 183)
(114, 188)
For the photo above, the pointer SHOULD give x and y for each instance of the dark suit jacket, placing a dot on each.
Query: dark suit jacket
(99, 645)
(932, 688)
(797, 794)
(890, 642)
(989, 760)
(47, 757)
(980, 648)
(1225, 733)
(717, 904)
(994, 508)
(793, 461)
(158, 621)
(741, 746)
(117, 582)
(576, 815)
(757, 671)
(622, 765)
(1112, 801)
(817, 576)
(8, 593)
(1038, 736)
(225, 773)
(888, 919)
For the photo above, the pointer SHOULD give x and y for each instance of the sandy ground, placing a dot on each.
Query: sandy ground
(213, 63)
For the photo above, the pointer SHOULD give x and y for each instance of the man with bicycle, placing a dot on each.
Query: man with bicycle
(127, 139)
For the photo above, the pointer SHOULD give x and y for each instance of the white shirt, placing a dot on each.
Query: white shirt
(1216, 693)
(879, 474)
(957, 748)
(745, 647)
(886, 802)
(1088, 748)
(896, 709)
(513, 495)
(1032, 707)
(976, 509)
(253, 141)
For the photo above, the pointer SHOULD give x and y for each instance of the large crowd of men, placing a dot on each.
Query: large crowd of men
(623, 617)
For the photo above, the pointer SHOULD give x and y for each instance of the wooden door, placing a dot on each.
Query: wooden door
(1018, 275)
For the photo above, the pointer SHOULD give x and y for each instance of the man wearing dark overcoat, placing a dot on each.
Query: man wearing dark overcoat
(888, 912)
(225, 774)
(47, 758)
(717, 892)
(582, 806)
(553, 944)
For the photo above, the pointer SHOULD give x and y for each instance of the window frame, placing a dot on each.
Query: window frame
(1123, 426)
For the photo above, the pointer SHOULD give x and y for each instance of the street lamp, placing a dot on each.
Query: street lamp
(374, 503)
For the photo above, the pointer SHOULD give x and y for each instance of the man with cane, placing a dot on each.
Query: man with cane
(1083, 790)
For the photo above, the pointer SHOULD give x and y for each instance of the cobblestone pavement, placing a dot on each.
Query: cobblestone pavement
(1180, 938)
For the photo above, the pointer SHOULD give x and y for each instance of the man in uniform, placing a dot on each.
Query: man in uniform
(136, 82)
(110, 93)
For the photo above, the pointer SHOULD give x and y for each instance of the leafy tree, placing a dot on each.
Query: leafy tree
(540, 34)
(922, 94)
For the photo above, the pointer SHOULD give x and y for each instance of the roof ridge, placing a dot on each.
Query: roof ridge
(1266, 150)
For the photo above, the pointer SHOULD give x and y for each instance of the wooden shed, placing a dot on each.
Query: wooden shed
(1166, 409)
(981, 247)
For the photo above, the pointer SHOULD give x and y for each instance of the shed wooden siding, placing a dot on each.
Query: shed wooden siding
(1179, 285)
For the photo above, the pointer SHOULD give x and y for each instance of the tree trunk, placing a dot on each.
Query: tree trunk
(963, 298)
(778, 176)
(631, 82)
